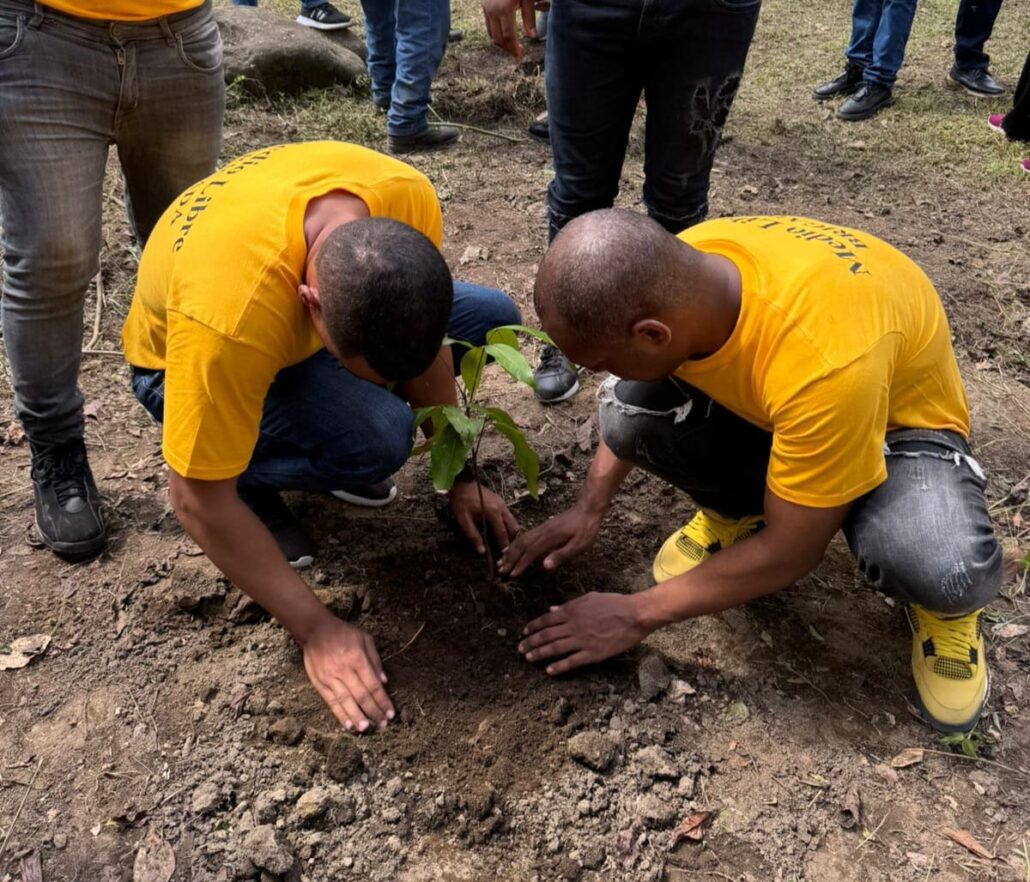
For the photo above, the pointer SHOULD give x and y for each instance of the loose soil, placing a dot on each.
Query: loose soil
(169, 717)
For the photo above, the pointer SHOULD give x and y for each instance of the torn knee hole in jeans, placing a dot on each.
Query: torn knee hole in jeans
(954, 457)
(606, 395)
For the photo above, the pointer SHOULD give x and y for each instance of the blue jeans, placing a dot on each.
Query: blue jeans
(924, 535)
(69, 89)
(406, 42)
(324, 428)
(879, 34)
(973, 26)
(305, 5)
(685, 56)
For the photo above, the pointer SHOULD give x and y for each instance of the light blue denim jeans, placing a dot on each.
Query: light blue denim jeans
(406, 42)
(879, 34)
(69, 89)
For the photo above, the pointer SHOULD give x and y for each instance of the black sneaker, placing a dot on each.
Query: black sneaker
(68, 516)
(268, 505)
(869, 100)
(539, 130)
(433, 138)
(845, 84)
(324, 17)
(368, 495)
(556, 378)
(455, 35)
(978, 83)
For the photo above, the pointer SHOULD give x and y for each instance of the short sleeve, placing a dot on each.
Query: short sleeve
(215, 388)
(827, 447)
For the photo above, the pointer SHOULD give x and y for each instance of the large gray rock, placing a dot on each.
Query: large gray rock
(270, 53)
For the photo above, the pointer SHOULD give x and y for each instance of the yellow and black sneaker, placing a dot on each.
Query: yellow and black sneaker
(706, 533)
(949, 667)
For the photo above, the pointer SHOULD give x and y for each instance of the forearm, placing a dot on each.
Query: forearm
(607, 472)
(753, 568)
(243, 549)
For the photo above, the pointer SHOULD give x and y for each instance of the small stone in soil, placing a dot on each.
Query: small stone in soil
(343, 760)
(559, 714)
(261, 846)
(653, 676)
(286, 731)
(206, 798)
(592, 749)
(312, 804)
(655, 763)
(655, 811)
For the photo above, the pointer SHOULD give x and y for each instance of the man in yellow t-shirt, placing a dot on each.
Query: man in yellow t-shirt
(77, 77)
(794, 377)
(289, 313)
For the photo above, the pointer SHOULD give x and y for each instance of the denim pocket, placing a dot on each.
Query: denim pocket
(12, 30)
(201, 50)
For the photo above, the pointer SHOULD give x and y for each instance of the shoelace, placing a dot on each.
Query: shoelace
(952, 638)
(65, 469)
(552, 358)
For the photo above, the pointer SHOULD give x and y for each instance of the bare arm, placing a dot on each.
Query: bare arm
(340, 659)
(597, 626)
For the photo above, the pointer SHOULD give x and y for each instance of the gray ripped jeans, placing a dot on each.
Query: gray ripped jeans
(923, 536)
(69, 89)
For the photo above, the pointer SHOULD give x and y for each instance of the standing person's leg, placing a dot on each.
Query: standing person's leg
(865, 16)
(594, 80)
(251, 3)
(168, 127)
(322, 16)
(925, 537)
(678, 433)
(58, 90)
(1016, 124)
(422, 33)
(693, 58)
(877, 89)
(381, 42)
(973, 26)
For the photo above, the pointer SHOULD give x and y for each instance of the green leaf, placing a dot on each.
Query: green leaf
(533, 332)
(448, 457)
(512, 361)
(450, 341)
(472, 364)
(526, 459)
(468, 428)
(503, 335)
(428, 413)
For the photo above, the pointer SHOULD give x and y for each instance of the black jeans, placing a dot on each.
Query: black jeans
(1016, 124)
(973, 25)
(924, 535)
(685, 56)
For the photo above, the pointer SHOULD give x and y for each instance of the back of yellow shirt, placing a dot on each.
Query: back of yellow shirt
(840, 338)
(122, 10)
(216, 304)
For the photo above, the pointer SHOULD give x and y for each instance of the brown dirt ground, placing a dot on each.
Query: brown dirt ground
(159, 682)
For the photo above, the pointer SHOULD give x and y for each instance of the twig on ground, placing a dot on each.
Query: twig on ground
(406, 645)
(21, 805)
(976, 759)
(99, 313)
(868, 836)
(116, 352)
(440, 121)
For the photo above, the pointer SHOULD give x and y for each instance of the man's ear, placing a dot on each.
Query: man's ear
(309, 297)
(652, 332)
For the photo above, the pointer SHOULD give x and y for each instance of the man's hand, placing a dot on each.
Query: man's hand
(588, 629)
(556, 540)
(468, 512)
(500, 23)
(343, 665)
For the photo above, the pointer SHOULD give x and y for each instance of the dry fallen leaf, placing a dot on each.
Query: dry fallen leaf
(22, 650)
(966, 840)
(155, 860)
(584, 433)
(1010, 631)
(693, 827)
(908, 757)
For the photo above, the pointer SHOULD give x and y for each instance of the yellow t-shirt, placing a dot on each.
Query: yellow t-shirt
(122, 10)
(216, 304)
(840, 339)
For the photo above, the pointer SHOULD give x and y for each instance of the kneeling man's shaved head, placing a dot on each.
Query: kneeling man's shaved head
(608, 269)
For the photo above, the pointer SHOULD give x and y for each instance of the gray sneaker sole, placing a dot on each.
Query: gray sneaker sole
(318, 26)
